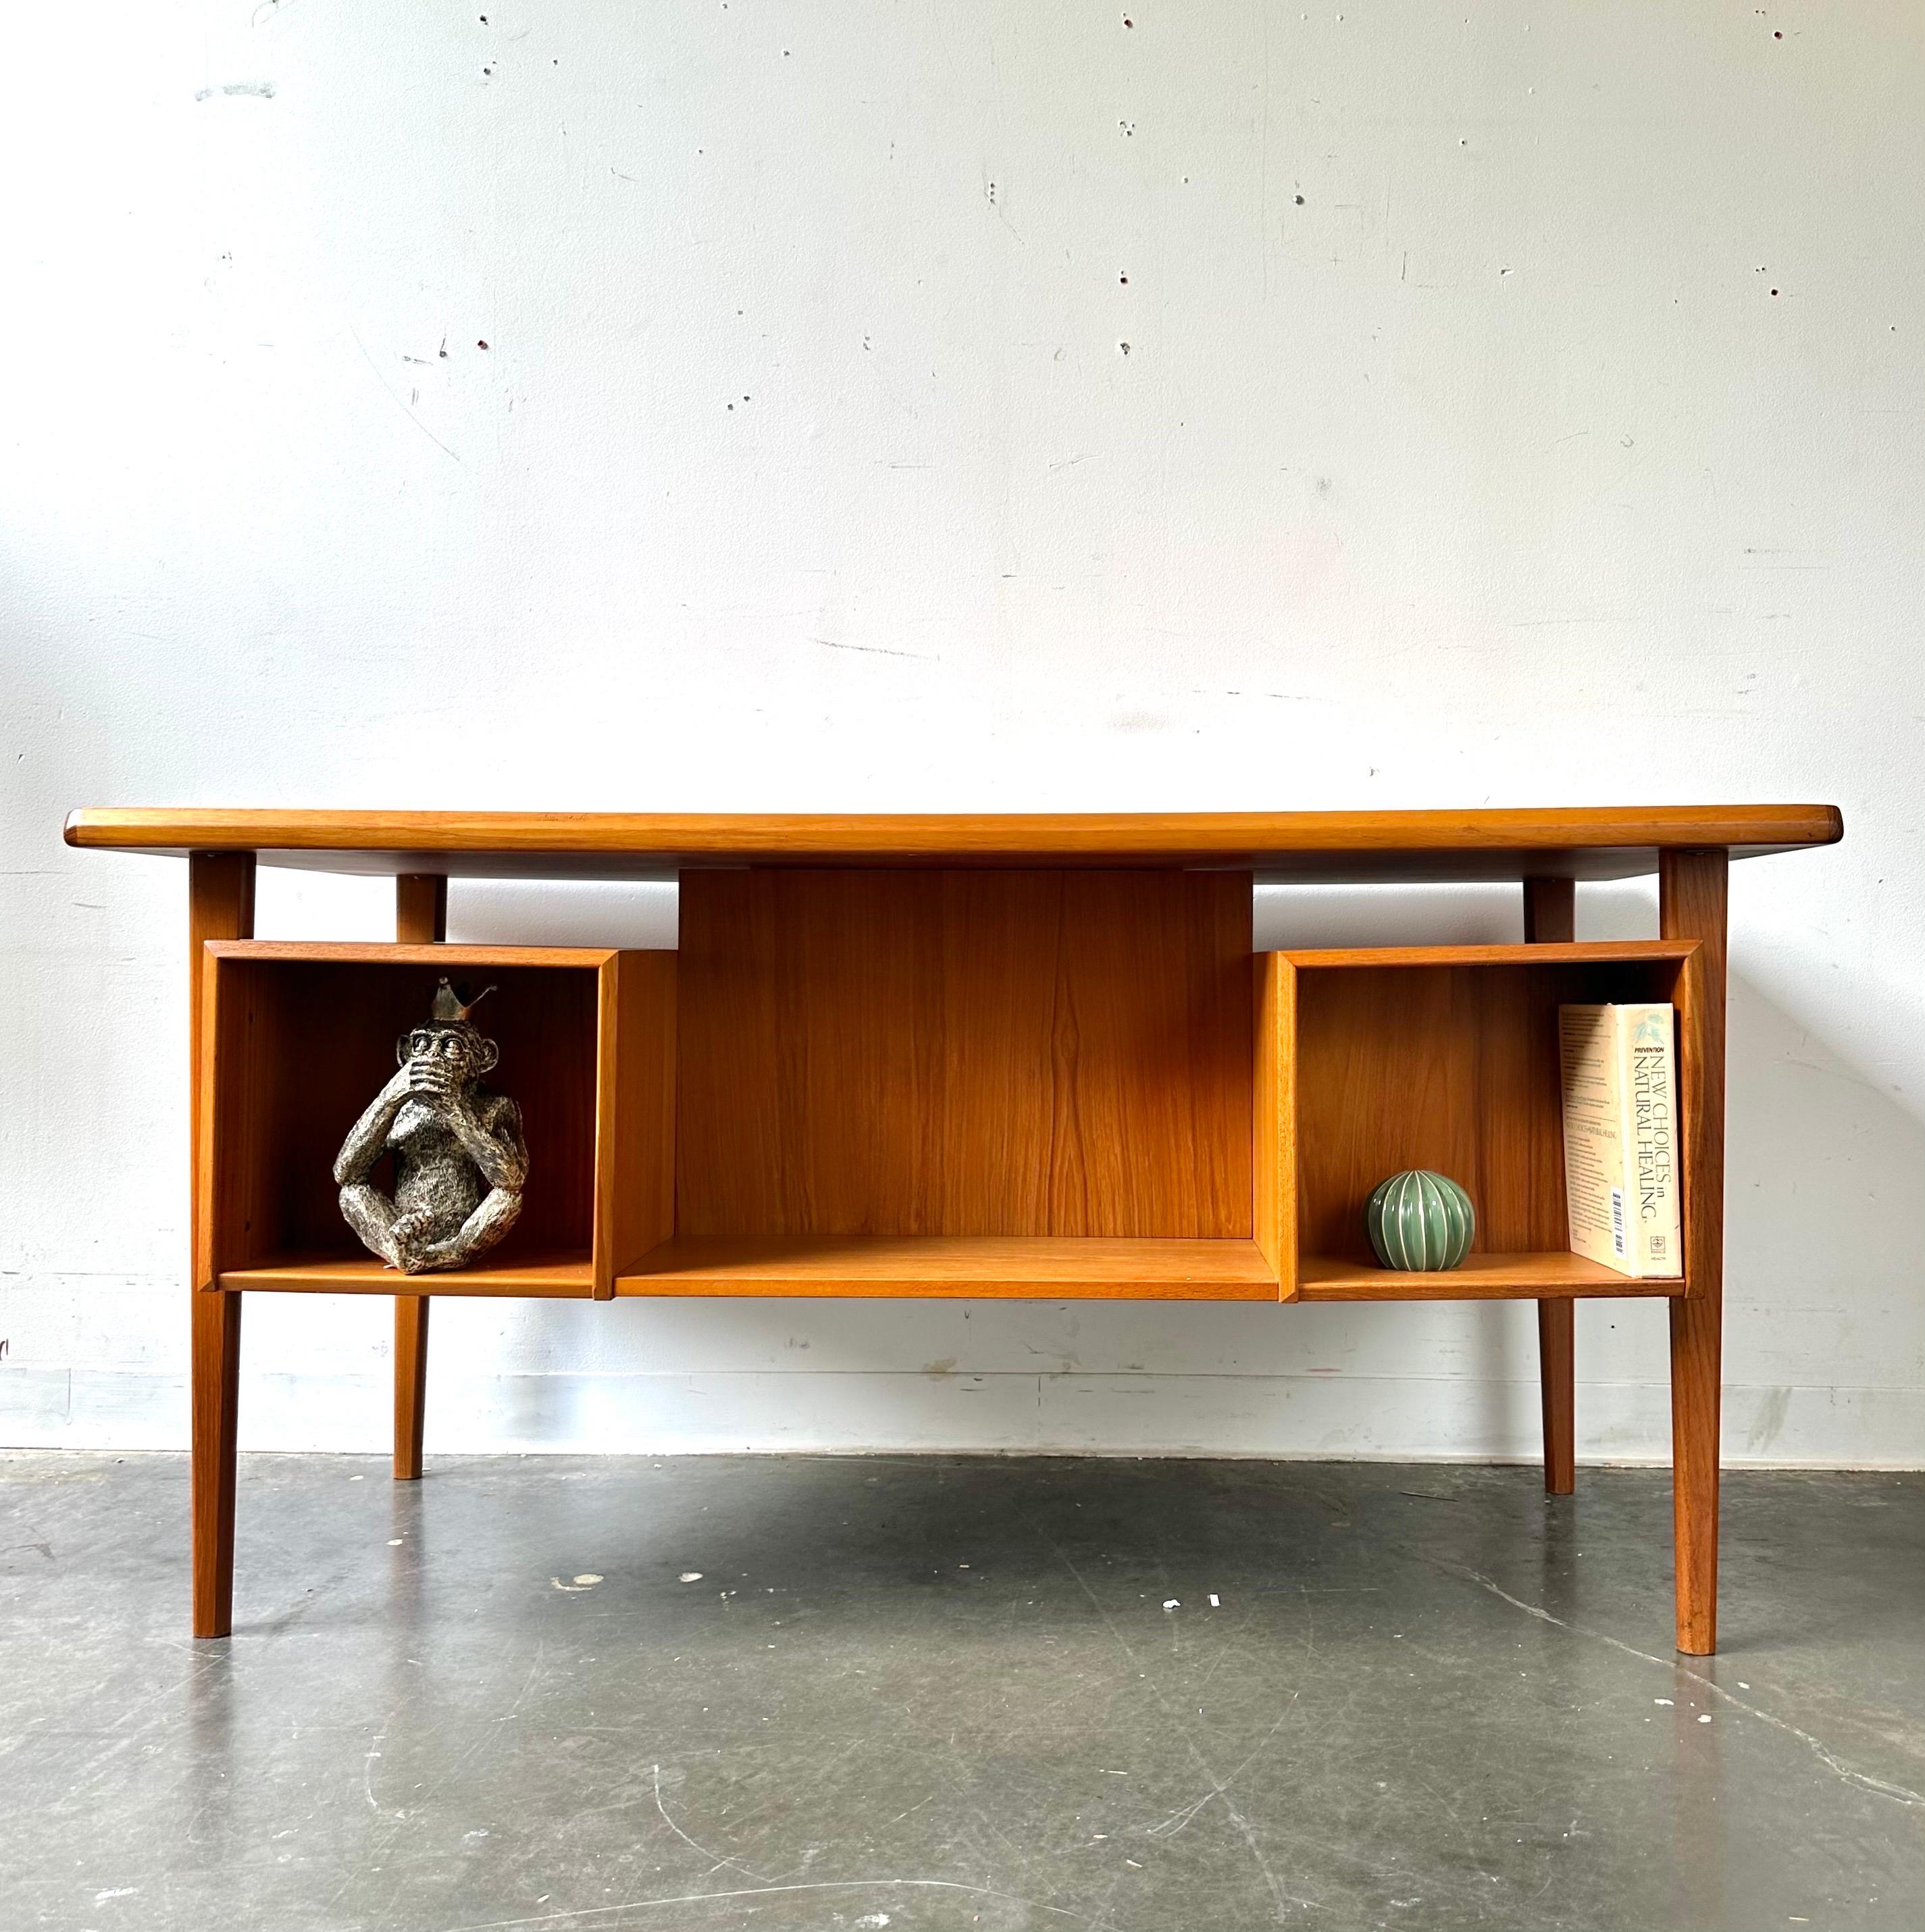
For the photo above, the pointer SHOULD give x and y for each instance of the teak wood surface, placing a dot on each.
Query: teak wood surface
(1056, 1267)
(965, 1053)
(1584, 842)
(990, 1055)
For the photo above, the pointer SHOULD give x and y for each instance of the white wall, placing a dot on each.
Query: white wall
(1523, 407)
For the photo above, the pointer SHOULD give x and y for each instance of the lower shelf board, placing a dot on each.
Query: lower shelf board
(1045, 1268)
(1553, 1274)
(1014, 1266)
(561, 1275)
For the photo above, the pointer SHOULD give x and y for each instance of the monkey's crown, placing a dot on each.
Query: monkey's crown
(448, 1003)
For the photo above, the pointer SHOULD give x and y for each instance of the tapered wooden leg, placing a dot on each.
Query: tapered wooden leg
(217, 1381)
(1556, 1365)
(1692, 902)
(410, 1383)
(1696, 1385)
(420, 919)
(220, 905)
(1550, 916)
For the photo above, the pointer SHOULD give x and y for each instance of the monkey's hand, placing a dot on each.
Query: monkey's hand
(490, 1136)
(426, 1080)
(369, 1135)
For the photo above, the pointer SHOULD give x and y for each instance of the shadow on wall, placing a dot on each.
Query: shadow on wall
(1822, 1256)
(520, 912)
(1818, 1157)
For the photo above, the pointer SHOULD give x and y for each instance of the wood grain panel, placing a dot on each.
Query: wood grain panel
(965, 1053)
(634, 1125)
(1043, 1267)
(1273, 1205)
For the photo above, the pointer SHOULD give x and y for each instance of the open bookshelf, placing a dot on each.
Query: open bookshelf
(1049, 1085)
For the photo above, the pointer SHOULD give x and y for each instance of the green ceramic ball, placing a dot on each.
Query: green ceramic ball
(1418, 1221)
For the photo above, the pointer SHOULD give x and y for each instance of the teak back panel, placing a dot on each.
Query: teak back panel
(304, 1047)
(965, 1053)
(1452, 1068)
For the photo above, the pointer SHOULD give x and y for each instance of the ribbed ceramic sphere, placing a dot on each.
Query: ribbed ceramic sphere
(1418, 1221)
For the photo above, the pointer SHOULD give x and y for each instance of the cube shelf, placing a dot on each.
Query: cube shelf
(297, 1039)
(1371, 1061)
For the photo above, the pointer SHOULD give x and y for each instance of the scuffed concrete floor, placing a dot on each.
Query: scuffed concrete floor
(937, 1692)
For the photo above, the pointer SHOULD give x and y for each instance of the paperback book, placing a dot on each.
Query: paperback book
(1621, 1136)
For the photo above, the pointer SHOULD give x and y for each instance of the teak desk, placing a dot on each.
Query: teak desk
(988, 1056)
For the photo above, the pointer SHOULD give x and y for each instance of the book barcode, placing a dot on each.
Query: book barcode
(1617, 1245)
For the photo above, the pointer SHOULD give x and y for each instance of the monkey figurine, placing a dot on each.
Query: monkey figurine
(460, 1163)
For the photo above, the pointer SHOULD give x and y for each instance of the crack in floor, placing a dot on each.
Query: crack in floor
(1879, 1787)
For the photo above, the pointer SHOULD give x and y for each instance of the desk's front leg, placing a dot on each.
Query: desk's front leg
(1691, 905)
(216, 1414)
(220, 905)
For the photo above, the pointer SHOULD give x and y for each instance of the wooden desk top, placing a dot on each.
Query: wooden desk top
(1580, 842)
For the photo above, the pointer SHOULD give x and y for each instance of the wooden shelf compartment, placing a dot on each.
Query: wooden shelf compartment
(297, 1038)
(1371, 1060)
(952, 1081)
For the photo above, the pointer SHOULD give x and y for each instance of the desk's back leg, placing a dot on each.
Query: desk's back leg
(420, 919)
(1550, 915)
(410, 1383)
(220, 905)
(1557, 1369)
(1691, 905)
